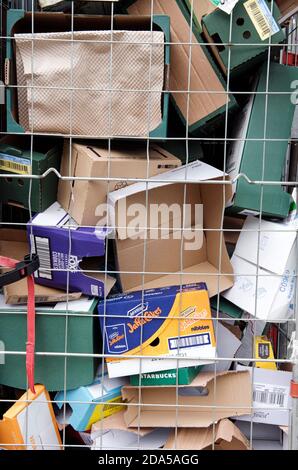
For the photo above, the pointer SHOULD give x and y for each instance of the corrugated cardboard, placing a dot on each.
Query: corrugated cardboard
(30, 425)
(223, 436)
(81, 198)
(15, 157)
(113, 433)
(248, 152)
(287, 8)
(203, 74)
(248, 48)
(275, 286)
(163, 255)
(90, 403)
(271, 396)
(72, 324)
(169, 327)
(200, 8)
(13, 243)
(127, 109)
(157, 406)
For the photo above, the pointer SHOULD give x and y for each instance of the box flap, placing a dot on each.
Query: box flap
(157, 406)
(274, 239)
(116, 421)
(224, 435)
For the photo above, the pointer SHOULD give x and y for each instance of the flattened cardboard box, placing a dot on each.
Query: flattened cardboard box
(200, 247)
(248, 48)
(157, 406)
(55, 324)
(82, 199)
(164, 323)
(15, 243)
(223, 436)
(204, 108)
(246, 155)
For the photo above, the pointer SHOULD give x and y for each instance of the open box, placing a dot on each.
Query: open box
(173, 259)
(20, 22)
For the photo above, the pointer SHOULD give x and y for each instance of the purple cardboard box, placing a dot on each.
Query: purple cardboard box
(63, 247)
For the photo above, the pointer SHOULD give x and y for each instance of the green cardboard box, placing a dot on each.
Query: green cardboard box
(247, 47)
(167, 377)
(247, 151)
(51, 327)
(205, 106)
(20, 21)
(225, 307)
(15, 157)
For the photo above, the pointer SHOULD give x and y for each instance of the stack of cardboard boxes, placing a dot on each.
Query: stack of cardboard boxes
(154, 274)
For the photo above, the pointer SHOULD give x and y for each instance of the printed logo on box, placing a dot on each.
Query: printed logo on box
(116, 339)
(138, 310)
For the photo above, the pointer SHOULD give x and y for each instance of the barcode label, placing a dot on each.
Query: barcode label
(42, 245)
(270, 395)
(262, 18)
(12, 164)
(189, 341)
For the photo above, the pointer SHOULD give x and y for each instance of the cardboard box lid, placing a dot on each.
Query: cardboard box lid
(157, 405)
(224, 435)
(14, 243)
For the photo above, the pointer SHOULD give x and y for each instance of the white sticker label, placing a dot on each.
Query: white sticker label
(225, 5)
(262, 18)
(265, 395)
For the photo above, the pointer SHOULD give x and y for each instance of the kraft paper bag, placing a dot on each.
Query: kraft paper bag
(90, 83)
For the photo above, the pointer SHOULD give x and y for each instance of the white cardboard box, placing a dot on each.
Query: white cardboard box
(274, 281)
(271, 396)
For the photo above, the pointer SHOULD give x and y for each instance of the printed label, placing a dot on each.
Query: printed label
(18, 165)
(116, 339)
(262, 18)
(42, 246)
(138, 310)
(270, 395)
(189, 341)
(225, 5)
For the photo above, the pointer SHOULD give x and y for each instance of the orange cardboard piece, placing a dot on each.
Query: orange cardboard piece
(202, 75)
(82, 198)
(205, 401)
(224, 435)
(13, 243)
(33, 415)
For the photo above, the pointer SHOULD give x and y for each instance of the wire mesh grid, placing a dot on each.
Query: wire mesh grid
(216, 144)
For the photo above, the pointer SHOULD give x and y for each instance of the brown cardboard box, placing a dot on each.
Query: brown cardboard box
(225, 436)
(173, 261)
(13, 243)
(203, 76)
(201, 8)
(200, 404)
(81, 198)
(287, 8)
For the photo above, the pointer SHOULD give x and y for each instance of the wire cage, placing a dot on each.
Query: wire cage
(167, 132)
